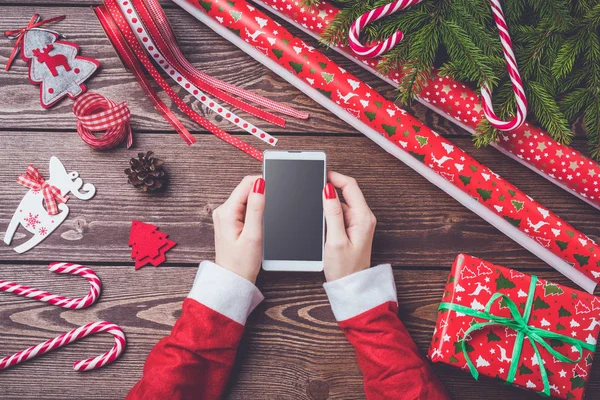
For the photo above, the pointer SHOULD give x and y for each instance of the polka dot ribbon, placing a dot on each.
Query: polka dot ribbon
(97, 113)
(379, 48)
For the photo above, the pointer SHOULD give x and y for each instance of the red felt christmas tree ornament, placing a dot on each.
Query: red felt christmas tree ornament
(148, 244)
(53, 63)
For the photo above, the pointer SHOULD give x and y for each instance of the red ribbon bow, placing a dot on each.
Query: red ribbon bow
(19, 34)
(34, 181)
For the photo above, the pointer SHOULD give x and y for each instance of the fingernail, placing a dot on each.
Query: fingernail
(330, 192)
(259, 186)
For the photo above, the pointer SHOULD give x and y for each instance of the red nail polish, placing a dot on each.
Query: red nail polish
(330, 192)
(259, 186)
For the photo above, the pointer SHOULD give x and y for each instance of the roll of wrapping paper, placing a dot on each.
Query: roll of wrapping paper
(459, 103)
(435, 158)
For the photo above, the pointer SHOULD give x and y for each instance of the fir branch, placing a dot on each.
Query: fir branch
(485, 134)
(591, 122)
(311, 3)
(466, 54)
(573, 103)
(547, 112)
(556, 42)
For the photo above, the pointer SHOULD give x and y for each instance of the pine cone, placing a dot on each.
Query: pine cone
(147, 173)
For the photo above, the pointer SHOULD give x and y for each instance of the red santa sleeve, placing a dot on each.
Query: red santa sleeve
(195, 361)
(366, 307)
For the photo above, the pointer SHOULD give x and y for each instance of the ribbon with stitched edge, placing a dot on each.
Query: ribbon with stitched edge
(35, 181)
(519, 323)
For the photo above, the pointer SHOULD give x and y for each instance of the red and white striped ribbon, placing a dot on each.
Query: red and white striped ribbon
(164, 26)
(377, 49)
(60, 301)
(128, 47)
(132, 64)
(70, 337)
(36, 182)
(97, 113)
(146, 39)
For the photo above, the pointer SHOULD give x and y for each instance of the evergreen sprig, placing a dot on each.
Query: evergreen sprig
(556, 43)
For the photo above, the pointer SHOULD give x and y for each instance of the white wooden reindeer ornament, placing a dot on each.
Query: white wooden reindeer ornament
(36, 218)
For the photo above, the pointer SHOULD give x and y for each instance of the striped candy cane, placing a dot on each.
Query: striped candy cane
(379, 48)
(61, 301)
(70, 337)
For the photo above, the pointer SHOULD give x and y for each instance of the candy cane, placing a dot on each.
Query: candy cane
(379, 48)
(61, 301)
(72, 336)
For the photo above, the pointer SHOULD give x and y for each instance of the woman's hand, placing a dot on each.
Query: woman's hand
(239, 229)
(350, 228)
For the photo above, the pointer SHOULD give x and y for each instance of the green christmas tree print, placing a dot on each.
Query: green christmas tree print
(562, 245)
(504, 283)
(422, 140)
(540, 304)
(518, 205)
(492, 337)
(582, 260)
(327, 76)
(389, 129)
(465, 179)
(236, 15)
(458, 347)
(371, 115)
(577, 382)
(524, 370)
(485, 194)
(551, 289)
(296, 66)
(278, 53)
(513, 221)
(563, 312)
(207, 5)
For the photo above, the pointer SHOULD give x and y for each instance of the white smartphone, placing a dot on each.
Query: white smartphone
(294, 223)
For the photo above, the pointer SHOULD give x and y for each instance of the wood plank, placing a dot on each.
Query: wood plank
(418, 224)
(292, 349)
(205, 49)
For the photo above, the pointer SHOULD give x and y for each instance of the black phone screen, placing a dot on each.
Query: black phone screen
(293, 220)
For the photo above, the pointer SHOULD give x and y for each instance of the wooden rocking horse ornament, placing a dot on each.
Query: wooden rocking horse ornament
(44, 207)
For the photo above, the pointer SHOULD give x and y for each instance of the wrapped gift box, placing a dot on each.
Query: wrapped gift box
(492, 319)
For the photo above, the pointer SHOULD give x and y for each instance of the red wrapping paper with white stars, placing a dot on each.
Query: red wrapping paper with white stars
(406, 132)
(556, 308)
(528, 144)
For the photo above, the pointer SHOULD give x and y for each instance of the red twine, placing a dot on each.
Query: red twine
(97, 113)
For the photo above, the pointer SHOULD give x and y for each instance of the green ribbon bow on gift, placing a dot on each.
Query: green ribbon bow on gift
(519, 323)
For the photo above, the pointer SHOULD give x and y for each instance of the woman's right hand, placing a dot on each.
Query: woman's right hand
(350, 228)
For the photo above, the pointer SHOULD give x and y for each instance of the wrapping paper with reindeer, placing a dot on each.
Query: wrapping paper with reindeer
(434, 157)
(44, 207)
(519, 328)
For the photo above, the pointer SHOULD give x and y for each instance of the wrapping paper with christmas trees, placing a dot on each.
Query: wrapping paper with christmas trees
(529, 144)
(406, 132)
(554, 308)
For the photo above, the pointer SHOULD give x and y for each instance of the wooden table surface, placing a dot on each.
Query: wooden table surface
(292, 348)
